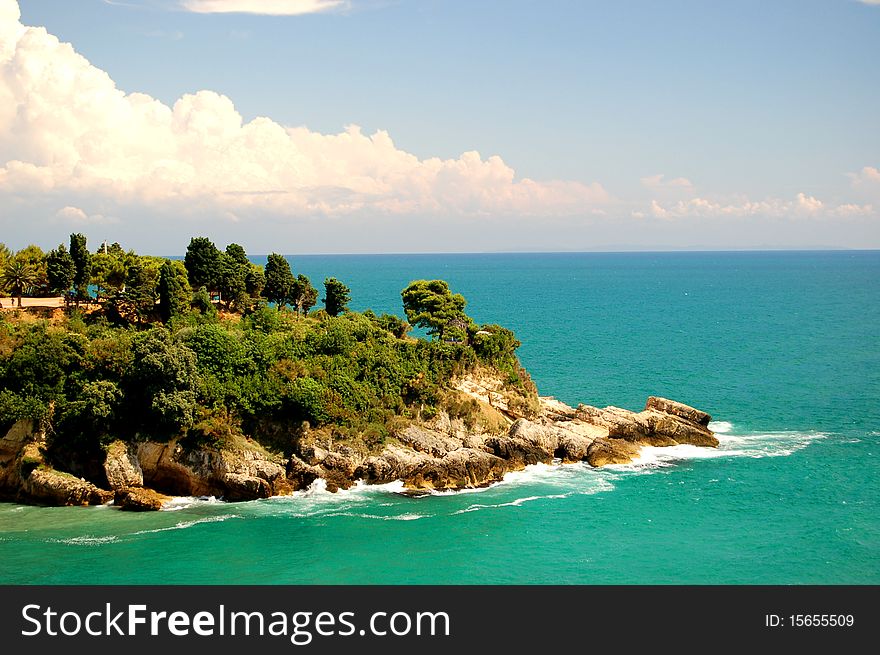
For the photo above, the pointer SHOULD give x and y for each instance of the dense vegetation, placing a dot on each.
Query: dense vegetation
(214, 347)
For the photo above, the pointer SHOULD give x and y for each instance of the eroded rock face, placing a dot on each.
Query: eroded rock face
(122, 467)
(234, 474)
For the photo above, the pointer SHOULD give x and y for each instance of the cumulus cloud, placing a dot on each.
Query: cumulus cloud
(801, 206)
(267, 7)
(66, 129)
(660, 182)
(76, 216)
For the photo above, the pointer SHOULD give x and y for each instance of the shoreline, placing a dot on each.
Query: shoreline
(434, 458)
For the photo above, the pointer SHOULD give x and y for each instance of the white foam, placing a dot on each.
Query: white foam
(185, 502)
(394, 517)
(183, 525)
(85, 540)
(721, 427)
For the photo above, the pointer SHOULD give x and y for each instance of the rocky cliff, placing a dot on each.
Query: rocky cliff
(443, 454)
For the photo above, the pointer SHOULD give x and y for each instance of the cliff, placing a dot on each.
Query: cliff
(444, 453)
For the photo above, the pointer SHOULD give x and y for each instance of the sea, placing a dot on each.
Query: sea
(782, 348)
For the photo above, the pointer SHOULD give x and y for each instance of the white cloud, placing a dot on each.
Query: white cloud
(267, 7)
(870, 2)
(75, 215)
(801, 206)
(67, 131)
(659, 182)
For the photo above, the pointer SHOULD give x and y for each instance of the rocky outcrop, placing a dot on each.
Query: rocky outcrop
(443, 454)
(139, 499)
(122, 468)
(680, 410)
(235, 474)
(50, 487)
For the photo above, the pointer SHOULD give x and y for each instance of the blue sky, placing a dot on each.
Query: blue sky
(635, 125)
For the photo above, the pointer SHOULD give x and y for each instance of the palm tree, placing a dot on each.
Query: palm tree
(17, 277)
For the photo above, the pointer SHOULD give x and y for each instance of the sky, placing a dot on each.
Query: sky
(356, 126)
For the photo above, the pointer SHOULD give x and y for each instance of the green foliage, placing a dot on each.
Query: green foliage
(303, 295)
(357, 377)
(60, 270)
(279, 280)
(82, 263)
(234, 270)
(14, 407)
(336, 296)
(109, 270)
(18, 277)
(203, 263)
(431, 305)
(160, 385)
(174, 291)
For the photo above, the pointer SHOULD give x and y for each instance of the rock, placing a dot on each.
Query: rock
(122, 467)
(519, 453)
(211, 472)
(573, 448)
(425, 441)
(652, 427)
(301, 475)
(245, 487)
(464, 468)
(543, 437)
(49, 487)
(139, 499)
(611, 451)
(678, 409)
(678, 430)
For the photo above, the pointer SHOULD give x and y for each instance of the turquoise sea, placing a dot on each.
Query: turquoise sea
(782, 348)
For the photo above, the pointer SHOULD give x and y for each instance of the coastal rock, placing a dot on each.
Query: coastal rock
(651, 427)
(49, 487)
(122, 467)
(678, 409)
(459, 469)
(19, 455)
(138, 499)
(425, 441)
(611, 451)
(301, 475)
(243, 473)
(245, 487)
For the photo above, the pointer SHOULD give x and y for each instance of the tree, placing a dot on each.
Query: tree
(203, 263)
(174, 291)
(159, 386)
(34, 257)
(5, 255)
(138, 301)
(17, 278)
(234, 269)
(255, 281)
(82, 264)
(431, 305)
(303, 295)
(279, 280)
(336, 296)
(60, 270)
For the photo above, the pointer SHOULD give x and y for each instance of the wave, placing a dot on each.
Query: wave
(756, 445)
(85, 540)
(721, 427)
(393, 517)
(185, 502)
(183, 525)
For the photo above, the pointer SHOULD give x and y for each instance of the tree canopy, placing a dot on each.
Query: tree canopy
(336, 296)
(429, 304)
